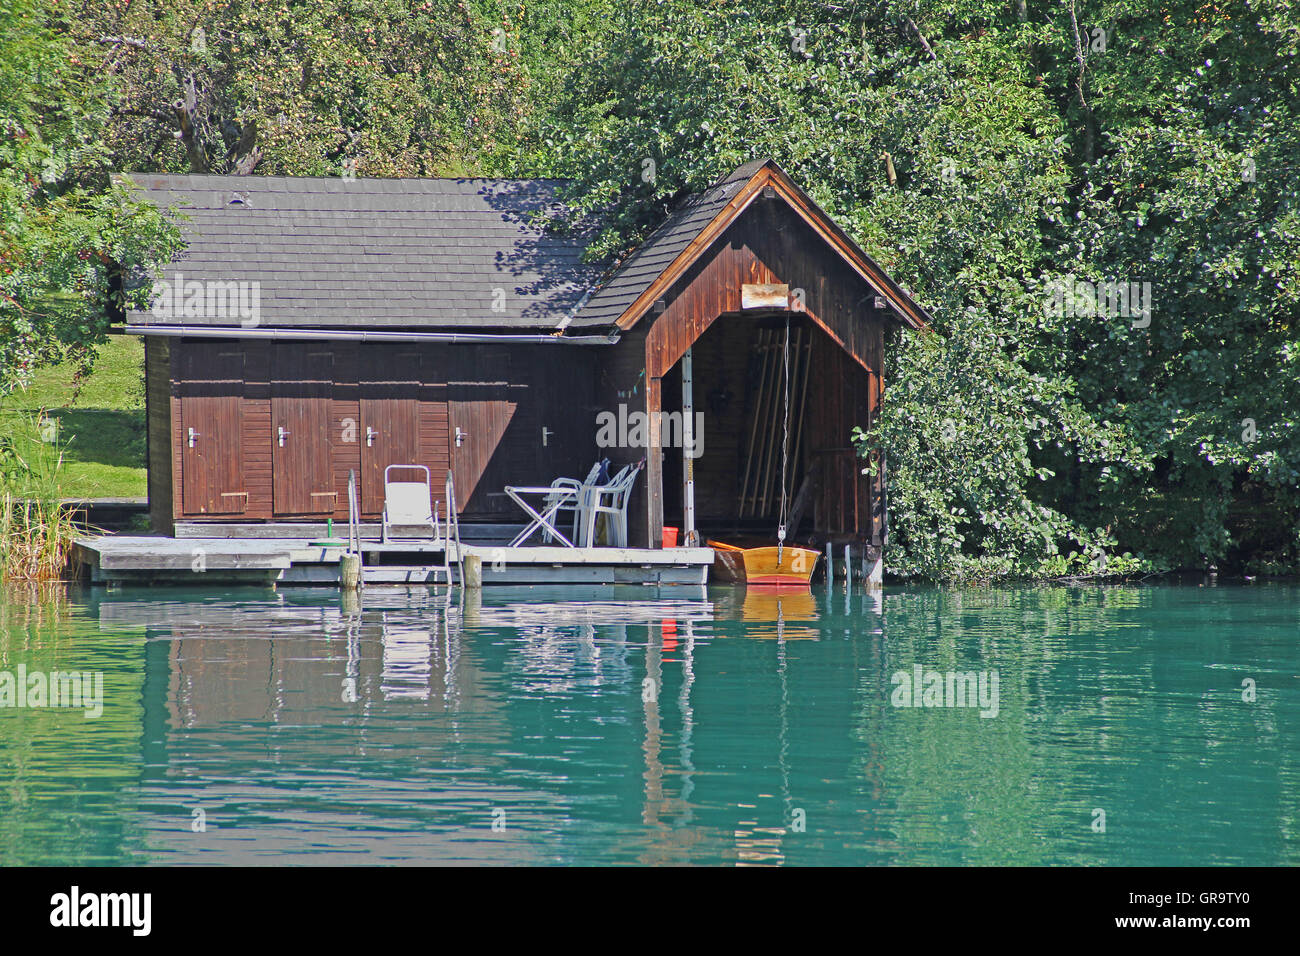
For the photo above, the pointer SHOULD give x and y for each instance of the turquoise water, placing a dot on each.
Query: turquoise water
(642, 726)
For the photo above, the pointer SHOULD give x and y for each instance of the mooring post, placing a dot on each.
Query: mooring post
(830, 564)
(473, 572)
(350, 571)
(690, 537)
(848, 565)
(876, 572)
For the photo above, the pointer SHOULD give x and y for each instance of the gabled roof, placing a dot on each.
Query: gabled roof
(448, 253)
(671, 249)
(376, 253)
(662, 247)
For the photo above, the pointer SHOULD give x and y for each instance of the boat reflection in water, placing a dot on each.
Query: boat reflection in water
(768, 613)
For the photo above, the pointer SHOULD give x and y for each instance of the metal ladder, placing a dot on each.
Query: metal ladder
(447, 533)
(453, 527)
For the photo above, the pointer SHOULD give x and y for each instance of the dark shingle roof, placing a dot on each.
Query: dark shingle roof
(426, 253)
(439, 253)
(664, 245)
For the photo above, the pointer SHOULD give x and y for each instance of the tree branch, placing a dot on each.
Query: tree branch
(1081, 57)
(925, 44)
(129, 41)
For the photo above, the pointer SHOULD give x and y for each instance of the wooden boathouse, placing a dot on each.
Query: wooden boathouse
(317, 328)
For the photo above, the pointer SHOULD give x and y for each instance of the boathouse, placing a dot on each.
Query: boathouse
(317, 328)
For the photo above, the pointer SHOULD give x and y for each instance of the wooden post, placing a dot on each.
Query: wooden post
(654, 462)
(830, 564)
(689, 536)
(876, 572)
(848, 566)
(350, 571)
(473, 573)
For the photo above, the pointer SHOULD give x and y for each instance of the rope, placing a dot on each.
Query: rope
(785, 445)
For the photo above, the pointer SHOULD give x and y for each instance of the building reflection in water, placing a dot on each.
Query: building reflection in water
(344, 671)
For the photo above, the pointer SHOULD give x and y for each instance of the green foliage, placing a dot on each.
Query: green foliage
(64, 227)
(981, 151)
(100, 419)
(390, 87)
(36, 529)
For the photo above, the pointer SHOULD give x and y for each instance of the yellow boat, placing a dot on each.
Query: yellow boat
(759, 565)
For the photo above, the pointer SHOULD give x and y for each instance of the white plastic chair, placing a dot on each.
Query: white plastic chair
(407, 504)
(610, 499)
(573, 503)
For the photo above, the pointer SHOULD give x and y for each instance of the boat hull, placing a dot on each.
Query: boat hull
(761, 566)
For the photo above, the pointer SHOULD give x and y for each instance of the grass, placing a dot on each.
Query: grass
(101, 427)
(36, 529)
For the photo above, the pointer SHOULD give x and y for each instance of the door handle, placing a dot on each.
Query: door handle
(370, 436)
(460, 436)
(283, 434)
(192, 435)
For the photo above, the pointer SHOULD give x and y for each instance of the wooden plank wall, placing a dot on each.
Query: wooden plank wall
(345, 421)
(257, 432)
(769, 244)
(158, 433)
(620, 378)
(550, 386)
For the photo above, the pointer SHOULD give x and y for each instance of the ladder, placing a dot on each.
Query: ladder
(446, 535)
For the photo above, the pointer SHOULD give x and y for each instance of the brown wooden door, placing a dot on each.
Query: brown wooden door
(390, 420)
(477, 418)
(301, 470)
(211, 399)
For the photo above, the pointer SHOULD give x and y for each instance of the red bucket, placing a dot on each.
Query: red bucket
(670, 537)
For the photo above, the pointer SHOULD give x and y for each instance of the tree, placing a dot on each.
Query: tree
(298, 87)
(990, 154)
(65, 228)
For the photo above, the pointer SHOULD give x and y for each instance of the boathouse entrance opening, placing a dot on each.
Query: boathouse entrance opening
(739, 374)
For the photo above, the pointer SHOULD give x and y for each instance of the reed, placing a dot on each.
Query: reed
(36, 528)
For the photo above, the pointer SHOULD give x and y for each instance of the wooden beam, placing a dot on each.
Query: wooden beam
(689, 535)
(716, 226)
(654, 469)
(824, 226)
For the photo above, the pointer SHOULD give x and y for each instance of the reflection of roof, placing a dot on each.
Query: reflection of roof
(443, 253)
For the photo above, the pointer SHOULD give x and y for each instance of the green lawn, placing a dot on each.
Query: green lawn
(104, 428)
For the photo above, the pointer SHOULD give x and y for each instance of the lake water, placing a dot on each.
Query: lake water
(641, 726)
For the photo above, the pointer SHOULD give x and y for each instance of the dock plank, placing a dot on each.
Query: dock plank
(296, 561)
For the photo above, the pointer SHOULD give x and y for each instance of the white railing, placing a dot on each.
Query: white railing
(354, 514)
(453, 528)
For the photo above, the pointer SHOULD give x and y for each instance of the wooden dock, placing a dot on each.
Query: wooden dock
(192, 560)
